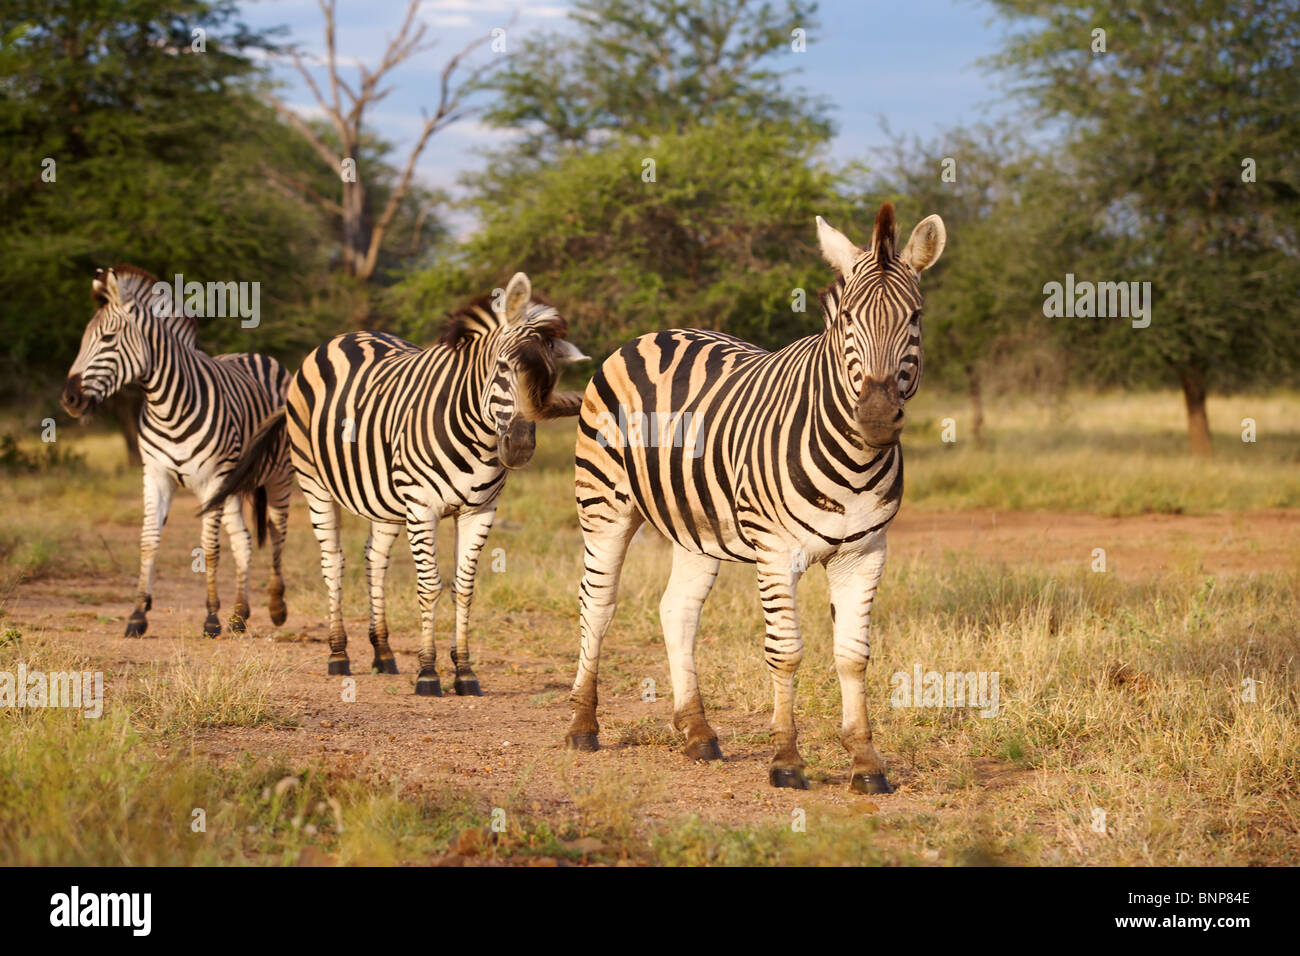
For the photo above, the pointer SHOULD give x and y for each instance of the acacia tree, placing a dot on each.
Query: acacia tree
(1182, 126)
(345, 104)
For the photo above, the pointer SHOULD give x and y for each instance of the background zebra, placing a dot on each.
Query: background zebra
(198, 413)
(405, 436)
(776, 459)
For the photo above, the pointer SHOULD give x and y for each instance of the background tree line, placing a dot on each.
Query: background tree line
(665, 171)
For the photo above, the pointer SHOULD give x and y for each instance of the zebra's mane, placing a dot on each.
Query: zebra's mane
(477, 318)
(136, 283)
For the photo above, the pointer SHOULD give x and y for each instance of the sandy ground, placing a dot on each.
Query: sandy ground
(507, 744)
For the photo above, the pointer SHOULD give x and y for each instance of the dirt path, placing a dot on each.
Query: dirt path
(506, 745)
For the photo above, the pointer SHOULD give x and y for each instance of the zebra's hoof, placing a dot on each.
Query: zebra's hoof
(148, 602)
(136, 624)
(236, 624)
(585, 742)
(703, 749)
(791, 779)
(278, 614)
(340, 669)
(870, 783)
(384, 665)
(428, 687)
(212, 626)
(468, 688)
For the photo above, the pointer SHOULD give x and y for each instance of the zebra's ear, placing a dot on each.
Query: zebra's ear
(99, 286)
(836, 247)
(566, 352)
(926, 245)
(518, 294)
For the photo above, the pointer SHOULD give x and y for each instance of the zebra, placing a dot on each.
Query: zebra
(404, 436)
(199, 411)
(779, 460)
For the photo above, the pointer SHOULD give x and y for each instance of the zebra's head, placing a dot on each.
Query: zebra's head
(875, 309)
(530, 352)
(114, 349)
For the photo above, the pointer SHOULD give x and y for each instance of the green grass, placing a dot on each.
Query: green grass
(1117, 695)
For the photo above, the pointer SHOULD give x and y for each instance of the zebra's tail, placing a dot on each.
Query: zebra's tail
(243, 476)
(259, 511)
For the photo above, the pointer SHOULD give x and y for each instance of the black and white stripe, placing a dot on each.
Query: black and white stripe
(780, 460)
(198, 414)
(405, 436)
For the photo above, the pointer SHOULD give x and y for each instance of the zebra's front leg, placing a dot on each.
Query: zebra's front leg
(422, 531)
(679, 612)
(211, 544)
(472, 529)
(378, 548)
(783, 649)
(158, 490)
(241, 547)
(853, 581)
(325, 520)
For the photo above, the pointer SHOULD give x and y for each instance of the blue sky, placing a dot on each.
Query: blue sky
(910, 61)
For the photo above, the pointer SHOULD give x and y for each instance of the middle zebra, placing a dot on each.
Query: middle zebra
(406, 436)
(780, 460)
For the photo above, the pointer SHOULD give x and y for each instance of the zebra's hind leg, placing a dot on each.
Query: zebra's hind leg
(422, 532)
(158, 490)
(605, 545)
(472, 529)
(853, 580)
(679, 611)
(783, 649)
(241, 548)
(325, 525)
(378, 548)
(277, 518)
(211, 543)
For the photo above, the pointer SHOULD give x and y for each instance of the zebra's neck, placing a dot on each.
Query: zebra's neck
(170, 379)
(834, 398)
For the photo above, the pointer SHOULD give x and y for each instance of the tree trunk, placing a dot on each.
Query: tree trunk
(1198, 423)
(976, 407)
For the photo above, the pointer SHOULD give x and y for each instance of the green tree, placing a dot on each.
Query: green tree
(712, 226)
(129, 131)
(1010, 221)
(1182, 128)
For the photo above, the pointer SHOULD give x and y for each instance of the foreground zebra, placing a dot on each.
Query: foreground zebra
(774, 459)
(406, 436)
(199, 412)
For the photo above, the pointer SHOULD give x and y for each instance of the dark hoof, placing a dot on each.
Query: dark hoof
(340, 669)
(428, 687)
(790, 779)
(237, 624)
(584, 742)
(136, 624)
(148, 602)
(468, 688)
(384, 665)
(870, 783)
(279, 614)
(212, 626)
(706, 749)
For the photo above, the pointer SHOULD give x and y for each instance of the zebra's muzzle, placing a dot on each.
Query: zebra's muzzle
(515, 445)
(74, 399)
(880, 413)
